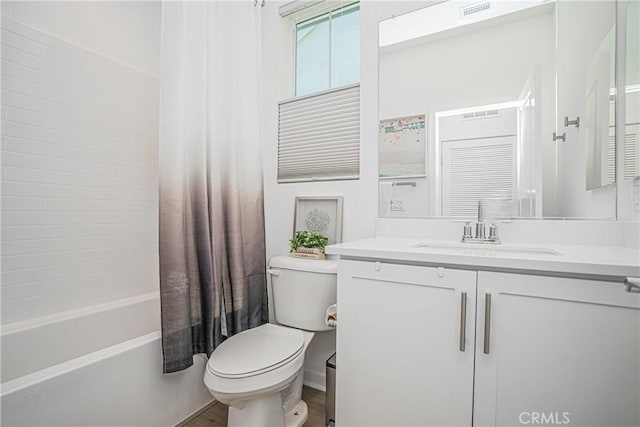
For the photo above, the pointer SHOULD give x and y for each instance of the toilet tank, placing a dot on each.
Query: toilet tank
(302, 291)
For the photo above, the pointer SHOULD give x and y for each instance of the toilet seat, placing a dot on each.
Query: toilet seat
(235, 376)
(256, 351)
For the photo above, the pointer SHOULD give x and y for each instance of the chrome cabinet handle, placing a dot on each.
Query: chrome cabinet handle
(632, 284)
(463, 320)
(568, 122)
(562, 137)
(487, 321)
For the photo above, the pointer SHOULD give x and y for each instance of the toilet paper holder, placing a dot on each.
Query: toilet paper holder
(331, 317)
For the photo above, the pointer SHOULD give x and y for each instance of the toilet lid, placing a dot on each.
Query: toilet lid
(256, 351)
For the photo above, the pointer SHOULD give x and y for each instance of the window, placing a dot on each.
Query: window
(328, 50)
(319, 129)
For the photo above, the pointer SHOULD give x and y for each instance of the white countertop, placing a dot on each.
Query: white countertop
(572, 259)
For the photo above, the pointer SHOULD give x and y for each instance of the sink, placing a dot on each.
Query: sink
(486, 249)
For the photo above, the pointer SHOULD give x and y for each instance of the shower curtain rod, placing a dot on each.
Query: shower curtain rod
(255, 3)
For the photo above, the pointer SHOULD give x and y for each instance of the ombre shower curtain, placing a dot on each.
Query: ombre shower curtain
(212, 249)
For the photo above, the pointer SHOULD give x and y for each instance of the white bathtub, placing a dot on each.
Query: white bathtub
(100, 366)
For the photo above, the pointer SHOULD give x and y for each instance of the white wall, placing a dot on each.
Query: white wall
(124, 31)
(360, 197)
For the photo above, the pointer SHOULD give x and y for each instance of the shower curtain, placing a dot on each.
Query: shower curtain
(212, 248)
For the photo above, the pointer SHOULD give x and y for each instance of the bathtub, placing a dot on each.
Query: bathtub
(69, 369)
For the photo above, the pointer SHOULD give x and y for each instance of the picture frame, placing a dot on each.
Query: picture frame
(321, 214)
(402, 147)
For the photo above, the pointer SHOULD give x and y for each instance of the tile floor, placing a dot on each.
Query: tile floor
(216, 415)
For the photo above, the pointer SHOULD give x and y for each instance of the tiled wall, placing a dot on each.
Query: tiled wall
(79, 177)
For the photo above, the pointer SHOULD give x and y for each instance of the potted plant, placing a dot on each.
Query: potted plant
(308, 244)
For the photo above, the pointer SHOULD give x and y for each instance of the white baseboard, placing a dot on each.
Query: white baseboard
(315, 380)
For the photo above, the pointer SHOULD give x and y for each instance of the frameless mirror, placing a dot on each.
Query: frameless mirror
(632, 92)
(511, 103)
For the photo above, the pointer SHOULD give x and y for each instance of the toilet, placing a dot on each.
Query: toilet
(258, 373)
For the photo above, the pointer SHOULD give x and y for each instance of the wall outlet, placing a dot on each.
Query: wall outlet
(397, 205)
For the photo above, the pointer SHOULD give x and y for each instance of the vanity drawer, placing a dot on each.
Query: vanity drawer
(404, 273)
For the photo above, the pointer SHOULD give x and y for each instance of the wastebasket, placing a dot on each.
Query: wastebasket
(330, 400)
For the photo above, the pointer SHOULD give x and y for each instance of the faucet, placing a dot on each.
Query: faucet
(480, 236)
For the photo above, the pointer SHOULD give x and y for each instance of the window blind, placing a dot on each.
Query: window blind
(319, 136)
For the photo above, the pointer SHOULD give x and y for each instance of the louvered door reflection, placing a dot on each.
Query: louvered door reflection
(478, 169)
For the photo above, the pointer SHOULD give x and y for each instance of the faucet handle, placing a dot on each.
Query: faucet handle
(467, 230)
(493, 232)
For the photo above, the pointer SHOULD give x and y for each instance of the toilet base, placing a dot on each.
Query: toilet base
(297, 416)
(263, 411)
(266, 411)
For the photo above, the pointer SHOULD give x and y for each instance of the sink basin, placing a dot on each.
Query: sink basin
(486, 248)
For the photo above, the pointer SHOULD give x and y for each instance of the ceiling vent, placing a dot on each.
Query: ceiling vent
(485, 114)
(474, 8)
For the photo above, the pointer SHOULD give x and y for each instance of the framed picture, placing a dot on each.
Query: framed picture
(322, 214)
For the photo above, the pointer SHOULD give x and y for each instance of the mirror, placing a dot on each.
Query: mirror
(632, 92)
(511, 103)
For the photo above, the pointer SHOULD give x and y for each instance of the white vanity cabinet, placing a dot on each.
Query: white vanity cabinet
(558, 350)
(564, 348)
(405, 344)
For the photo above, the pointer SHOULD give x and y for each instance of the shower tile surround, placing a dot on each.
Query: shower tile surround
(79, 184)
(80, 306)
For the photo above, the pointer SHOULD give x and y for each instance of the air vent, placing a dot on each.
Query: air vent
(474, 8)
(484, 114)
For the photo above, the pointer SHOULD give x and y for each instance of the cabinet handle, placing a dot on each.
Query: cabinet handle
(632, 284)
(463, 320)
(487, 321)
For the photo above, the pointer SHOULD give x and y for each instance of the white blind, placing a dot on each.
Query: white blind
(478, 170)
(611, 160)
(319, 136)
(631, 152)
(631, 163)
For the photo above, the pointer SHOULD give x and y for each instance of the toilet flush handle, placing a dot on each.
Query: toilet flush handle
(273, 272)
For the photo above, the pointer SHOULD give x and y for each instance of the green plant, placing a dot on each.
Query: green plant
(308, 239)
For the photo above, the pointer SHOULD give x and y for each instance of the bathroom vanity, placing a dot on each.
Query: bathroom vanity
(439, 333)
(445, 333)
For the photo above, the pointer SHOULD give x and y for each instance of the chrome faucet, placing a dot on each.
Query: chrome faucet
(480, 236)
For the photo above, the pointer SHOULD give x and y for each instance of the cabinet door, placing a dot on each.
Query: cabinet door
(400, 359)
(559, 351)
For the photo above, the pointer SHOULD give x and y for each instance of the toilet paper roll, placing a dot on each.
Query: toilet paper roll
(331, 318)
